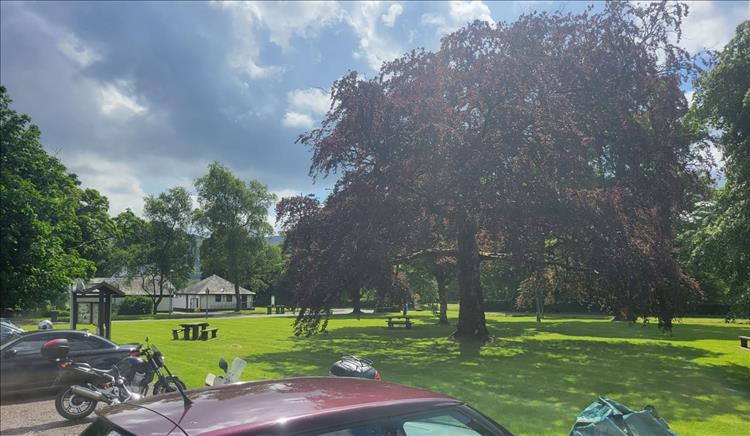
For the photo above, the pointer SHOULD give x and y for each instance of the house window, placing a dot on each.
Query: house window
(229, 298)
(218, 298)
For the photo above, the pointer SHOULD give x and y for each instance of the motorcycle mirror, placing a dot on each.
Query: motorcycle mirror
(223, 364)
(146, 339)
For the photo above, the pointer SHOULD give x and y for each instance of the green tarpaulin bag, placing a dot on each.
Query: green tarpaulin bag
(606, 417)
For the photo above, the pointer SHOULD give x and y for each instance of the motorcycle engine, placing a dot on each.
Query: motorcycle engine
(137, 384)
(135, 372)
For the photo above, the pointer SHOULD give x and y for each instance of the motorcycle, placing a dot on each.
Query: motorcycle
(230, 375)
(127, 380)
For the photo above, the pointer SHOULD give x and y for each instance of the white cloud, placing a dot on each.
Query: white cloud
(468, 11)
(305, 105)
(296, 119)
(114, 100)
(244, 59)
(374, 47)
(459, 14)
(313, 100)
(75, 50)
(285, 20)
(247, 65)
(710, 25)
(115, 180)
(389, 18)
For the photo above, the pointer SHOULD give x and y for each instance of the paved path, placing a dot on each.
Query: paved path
(37, 418)
(346, 311)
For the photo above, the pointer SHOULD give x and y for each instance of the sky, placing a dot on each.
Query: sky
(138, 97)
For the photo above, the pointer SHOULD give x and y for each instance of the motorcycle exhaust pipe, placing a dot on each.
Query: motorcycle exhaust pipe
(88, 393)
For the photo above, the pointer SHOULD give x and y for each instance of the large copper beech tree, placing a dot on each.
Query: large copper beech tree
(553, 141)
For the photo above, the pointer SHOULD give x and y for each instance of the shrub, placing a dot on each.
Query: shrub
(135, 305)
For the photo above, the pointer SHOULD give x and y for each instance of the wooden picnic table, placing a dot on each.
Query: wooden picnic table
(189, 327)
(405, 320)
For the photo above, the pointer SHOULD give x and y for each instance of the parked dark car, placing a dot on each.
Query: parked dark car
(8, 331)
(315, 405)
(24, 370)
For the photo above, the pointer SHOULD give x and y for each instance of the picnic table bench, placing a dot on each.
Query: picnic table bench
(205, 332)
(743, 342)
(190, 330)
(399, 320)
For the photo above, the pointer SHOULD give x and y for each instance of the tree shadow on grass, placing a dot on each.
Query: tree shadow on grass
(619, 329)
(531, 386)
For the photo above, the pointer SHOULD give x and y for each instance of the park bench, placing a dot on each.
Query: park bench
(204, 333)
(743, 342)
(396, 320)
(176, 333)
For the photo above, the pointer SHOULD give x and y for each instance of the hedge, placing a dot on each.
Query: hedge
(135, 305)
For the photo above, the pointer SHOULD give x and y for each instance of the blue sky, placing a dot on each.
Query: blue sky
(139, 97)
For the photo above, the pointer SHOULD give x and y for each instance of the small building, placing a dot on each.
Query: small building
(211, 293)
(138, 286)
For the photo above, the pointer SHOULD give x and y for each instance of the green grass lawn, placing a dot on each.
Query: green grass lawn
(533, 378)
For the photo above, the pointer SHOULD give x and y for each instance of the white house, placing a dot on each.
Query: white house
(137, 286)
(212, 293)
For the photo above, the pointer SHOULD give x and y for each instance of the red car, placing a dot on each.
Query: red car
(313, 405)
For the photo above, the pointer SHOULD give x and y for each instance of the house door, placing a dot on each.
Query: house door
(244, 301)
(193, 302)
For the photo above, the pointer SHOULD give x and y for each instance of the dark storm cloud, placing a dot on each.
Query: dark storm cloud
(171, 62)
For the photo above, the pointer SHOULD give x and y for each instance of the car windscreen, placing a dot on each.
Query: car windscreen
(453, 422)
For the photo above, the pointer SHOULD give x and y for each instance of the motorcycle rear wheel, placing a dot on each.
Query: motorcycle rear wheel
(71, 406)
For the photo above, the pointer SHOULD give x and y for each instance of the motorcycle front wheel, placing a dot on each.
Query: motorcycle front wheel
(71, 406)
(170, 386)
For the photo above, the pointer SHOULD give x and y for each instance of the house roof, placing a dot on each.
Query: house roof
(216, 286)
(133, 285)
(97, 288)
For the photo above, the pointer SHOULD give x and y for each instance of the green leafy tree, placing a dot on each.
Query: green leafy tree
(268, 269)
(168, 253)
(233, 215)
(130, 230)
(98, 229)
(719, 248)
(39, 227)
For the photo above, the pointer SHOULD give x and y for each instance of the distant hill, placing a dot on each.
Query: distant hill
(275, 240)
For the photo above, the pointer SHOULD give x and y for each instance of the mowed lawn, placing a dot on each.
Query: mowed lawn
(532, 378)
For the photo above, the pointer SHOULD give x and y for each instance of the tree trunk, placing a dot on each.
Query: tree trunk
(624, 313)
(443, 300)
(156, 302)
(356, 302)
(539, 305)
(471, 322)
(237, 303)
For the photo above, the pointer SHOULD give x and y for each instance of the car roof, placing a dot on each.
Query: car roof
(32, 333)
(276, 406)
